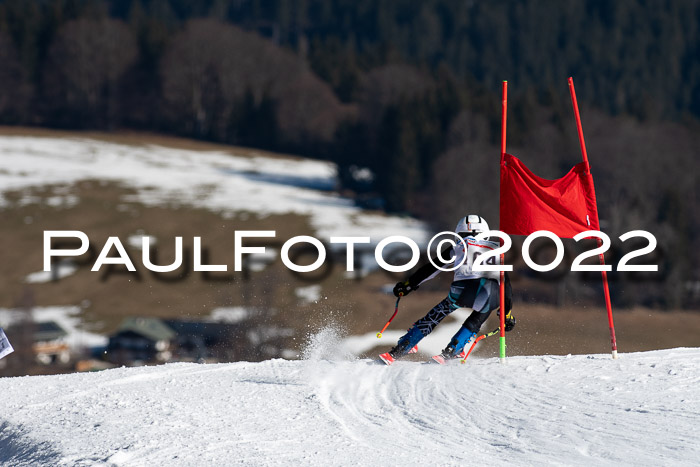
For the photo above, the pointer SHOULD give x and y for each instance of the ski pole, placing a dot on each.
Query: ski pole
(396, 310)
(483, 336)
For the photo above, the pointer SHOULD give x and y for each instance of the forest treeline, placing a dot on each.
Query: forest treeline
(408, 89)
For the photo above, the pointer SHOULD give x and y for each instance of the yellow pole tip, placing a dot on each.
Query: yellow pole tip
(379, 335)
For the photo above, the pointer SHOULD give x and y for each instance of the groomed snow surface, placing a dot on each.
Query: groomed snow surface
(642, 409)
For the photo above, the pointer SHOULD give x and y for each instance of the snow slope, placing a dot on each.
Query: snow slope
(643, 409)
(215, 180)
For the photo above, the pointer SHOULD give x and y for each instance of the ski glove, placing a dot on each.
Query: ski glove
(403, 288)
(509, 321)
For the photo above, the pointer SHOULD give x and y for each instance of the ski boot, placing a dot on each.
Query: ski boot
(454, 348)
(407, 344)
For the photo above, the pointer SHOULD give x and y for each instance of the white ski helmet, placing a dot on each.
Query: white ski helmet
(471, 225)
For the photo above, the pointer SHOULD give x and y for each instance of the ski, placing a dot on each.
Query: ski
(462, 356)
(439, 359)
(386, 358)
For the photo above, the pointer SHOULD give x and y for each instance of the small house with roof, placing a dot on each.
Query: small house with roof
(50, 344)
(141, 340)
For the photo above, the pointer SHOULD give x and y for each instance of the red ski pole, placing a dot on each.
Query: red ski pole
(483, 336)
(396, 310)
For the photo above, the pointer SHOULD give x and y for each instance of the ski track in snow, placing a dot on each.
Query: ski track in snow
(642, 409)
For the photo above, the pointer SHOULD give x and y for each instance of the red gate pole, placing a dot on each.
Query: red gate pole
(606, 289)
(502, 325)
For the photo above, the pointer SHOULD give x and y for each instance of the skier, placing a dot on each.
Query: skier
(478, 290)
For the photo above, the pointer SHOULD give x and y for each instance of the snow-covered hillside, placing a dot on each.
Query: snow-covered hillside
(225, 183)
(643, 409)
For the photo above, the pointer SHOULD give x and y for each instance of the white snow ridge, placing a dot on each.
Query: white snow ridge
(642, 409)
